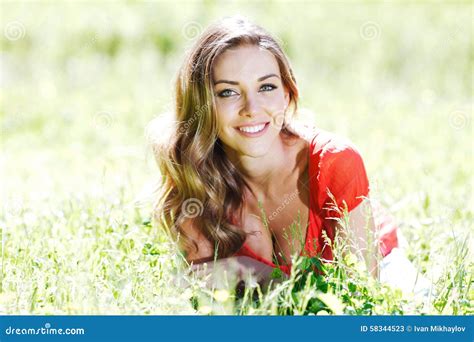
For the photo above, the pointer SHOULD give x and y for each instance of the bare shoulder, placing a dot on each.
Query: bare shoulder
(325, 141)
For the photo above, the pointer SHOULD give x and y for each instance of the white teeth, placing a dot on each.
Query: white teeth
(252, 129)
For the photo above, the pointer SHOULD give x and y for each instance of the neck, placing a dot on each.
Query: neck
(265, 174)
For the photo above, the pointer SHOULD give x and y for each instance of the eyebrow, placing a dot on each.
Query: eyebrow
(236, 83)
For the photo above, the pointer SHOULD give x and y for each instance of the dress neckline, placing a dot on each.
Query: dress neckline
(287, 267)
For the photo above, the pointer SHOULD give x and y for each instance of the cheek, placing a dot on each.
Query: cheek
(227, 111)
(228, 106)
(224, 120)
(275, 102)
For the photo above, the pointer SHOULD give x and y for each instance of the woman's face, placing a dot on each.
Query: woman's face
(250, 100)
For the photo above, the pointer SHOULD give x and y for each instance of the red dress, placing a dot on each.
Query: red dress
(336, 166)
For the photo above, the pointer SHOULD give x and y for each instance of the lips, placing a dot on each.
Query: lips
(253, 130)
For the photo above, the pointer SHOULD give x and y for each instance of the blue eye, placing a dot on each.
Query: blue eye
(226, 93)
(230, 92)
(268, 87)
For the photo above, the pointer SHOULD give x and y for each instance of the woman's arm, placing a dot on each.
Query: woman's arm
(228, 272)
(363, 234)
(204, 250)
(222, 273)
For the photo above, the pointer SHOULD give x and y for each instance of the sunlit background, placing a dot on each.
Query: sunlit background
(80, 82)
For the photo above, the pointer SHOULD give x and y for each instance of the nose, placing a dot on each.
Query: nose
(251, 106)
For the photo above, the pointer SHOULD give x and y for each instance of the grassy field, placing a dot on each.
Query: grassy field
(81, 81)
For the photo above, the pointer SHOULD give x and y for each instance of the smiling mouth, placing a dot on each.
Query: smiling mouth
(253, 130)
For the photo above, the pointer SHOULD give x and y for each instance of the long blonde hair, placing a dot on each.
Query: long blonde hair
(199, 182)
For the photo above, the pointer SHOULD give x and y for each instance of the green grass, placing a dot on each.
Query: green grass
(78, 177)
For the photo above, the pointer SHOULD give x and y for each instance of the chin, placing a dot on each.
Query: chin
(254, 152)
(250, 147)
(255, 149)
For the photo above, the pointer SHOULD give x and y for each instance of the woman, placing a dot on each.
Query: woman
(241, 181)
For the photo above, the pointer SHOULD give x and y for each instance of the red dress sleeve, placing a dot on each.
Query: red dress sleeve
(342, 181)
(342, 178)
